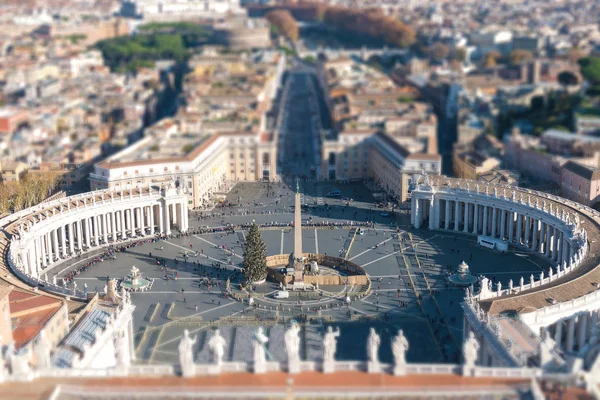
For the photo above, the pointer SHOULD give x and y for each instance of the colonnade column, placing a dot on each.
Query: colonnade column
(63, 240)
(447, 215)
(49, 245)
(55, 241)
(456, 215)
(582, 329)
(86, 228)
(519, 227)
(570, 334)
(123, 227)
(511, 225)
(494, 219)
(466, 222)
(558, 334)
(113, 225)
(475, 219)
(503, 214)
(527, 230)
(105, 226)
(485, 220)
(152, 230)
(161, 218)
(549, 240)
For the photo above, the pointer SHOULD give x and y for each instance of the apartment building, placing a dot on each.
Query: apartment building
(218, 137)
(381, 132)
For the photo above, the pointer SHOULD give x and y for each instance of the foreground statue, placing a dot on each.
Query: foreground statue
(42, 351)
(186, 356)
(399, 349)
(217, 345)
(329, 348)
(470, 354)
(292, 347)
(260, 358)
(373, 343)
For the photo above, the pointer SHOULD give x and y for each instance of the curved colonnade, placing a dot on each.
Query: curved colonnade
(564, 300)
(50, 233)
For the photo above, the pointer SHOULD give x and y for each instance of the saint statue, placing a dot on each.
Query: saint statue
(217, 345)
(260, 359)
(373, 346)
(330, 344)
(470, 351)
(186, 357)
(399, 349)
(122, 349)
(42, 351)
(292, 347)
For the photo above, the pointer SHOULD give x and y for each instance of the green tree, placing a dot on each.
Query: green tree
(255, 256)
(567, 78)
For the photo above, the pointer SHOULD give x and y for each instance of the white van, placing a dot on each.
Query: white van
(282, 294)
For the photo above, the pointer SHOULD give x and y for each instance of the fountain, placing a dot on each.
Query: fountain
(462, 277)
(134, 281)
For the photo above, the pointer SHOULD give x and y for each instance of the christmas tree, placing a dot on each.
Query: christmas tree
(255, 256)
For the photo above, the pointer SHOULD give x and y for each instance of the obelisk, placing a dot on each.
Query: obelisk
(297, 223)
(296, 258)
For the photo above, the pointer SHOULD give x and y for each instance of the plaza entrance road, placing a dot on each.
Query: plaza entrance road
(408, 272)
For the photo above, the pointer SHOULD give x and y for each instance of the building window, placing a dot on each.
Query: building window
(125, 173)
(166, 169)
(151, 170)
(177, 168)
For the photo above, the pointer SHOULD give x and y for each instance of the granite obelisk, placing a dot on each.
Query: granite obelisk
(296, 258)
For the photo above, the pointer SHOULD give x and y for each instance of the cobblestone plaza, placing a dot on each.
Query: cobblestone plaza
(407, 268)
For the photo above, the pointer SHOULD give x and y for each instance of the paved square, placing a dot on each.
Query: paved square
(407, 267)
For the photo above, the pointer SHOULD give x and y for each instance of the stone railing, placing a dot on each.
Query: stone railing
(160, 370)
(543, 279)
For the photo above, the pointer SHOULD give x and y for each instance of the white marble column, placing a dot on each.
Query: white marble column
(113, 226)
(519, 231)
(123, 225)
(558, 334)
(570, 334)
(43, 250)
(535, 234)
(466, 219)
(55, 241)
(582, 330)
(494, 221)
(475, 219)
(143, 220)
(447, 215)
(168, 219)
(63, 240)
(511, 226)
(485, 220)
(555, 244)
(503, 224)
(86, 228)
(151, 215)
(542, 238)
(79, 236)
(105, 226)
(49, 246)
(456, 215)
(161, 219)
(527, 230)
(549, 234)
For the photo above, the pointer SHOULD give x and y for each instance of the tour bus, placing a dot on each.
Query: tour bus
(334, 193)
(492, 243)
